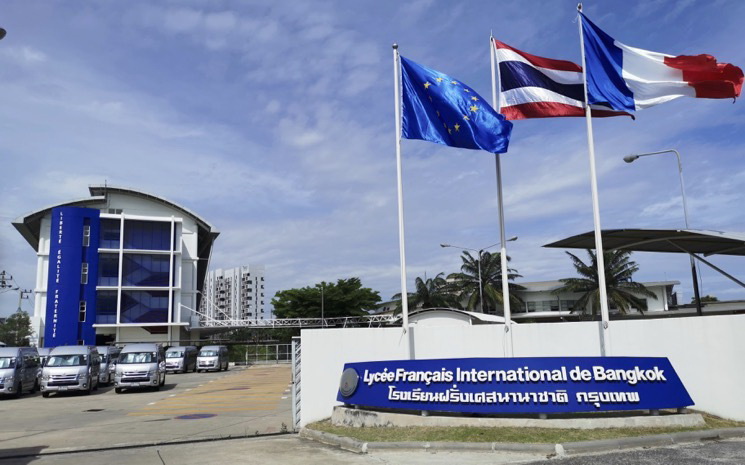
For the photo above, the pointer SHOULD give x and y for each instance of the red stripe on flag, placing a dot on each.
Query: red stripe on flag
(560, 65)
(709, 78)
(552, 110)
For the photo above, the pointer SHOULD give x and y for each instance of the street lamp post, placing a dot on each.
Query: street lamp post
(480, 252)
(630, 159)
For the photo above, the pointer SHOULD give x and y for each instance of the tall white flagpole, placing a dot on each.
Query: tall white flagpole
(500, 201)
(402, 248)
(605, 345)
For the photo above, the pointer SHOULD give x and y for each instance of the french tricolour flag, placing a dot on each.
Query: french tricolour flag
(627, 79)
(537, 87)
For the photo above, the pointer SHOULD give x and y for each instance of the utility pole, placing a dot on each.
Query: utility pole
(5, 280)
(23, 294)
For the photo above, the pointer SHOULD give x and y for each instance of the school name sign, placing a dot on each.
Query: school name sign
(515, 385)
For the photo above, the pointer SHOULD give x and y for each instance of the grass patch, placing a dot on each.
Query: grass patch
(497, 434)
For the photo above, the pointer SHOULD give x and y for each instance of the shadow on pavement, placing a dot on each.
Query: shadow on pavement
(20, 455)
(165, 387)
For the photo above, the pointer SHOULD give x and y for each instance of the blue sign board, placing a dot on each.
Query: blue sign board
(72, 277)
(515, 385)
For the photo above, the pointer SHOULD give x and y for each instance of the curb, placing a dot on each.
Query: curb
(77, 450)
(562, 449)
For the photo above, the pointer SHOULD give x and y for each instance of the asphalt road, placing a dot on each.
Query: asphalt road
(718, 452)
(239, 402)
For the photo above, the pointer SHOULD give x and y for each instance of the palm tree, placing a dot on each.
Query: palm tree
(430, 293)
(466, 283)
(622, 291)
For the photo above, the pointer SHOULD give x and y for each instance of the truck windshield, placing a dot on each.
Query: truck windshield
(137, 357)
(174, 354)
(208, 353)
(7, 362)
(66, 360)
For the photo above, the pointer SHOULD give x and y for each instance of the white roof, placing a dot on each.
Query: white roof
(475, 317)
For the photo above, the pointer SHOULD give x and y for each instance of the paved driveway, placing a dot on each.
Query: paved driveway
(244, 401)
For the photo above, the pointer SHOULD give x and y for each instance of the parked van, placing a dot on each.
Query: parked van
(139, 366)
(181, 359)
(43, 355)
(71, 368)
(19, 370)
(213, 358)
(109, 356)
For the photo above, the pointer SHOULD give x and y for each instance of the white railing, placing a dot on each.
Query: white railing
(207, 321)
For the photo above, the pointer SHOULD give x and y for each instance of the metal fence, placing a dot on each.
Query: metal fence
(296, 389)
(261, 354)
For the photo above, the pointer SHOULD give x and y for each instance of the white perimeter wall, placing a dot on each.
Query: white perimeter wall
(708, 353)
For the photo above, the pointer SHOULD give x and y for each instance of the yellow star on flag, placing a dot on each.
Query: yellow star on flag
(426, 85)
(465, 117)
(439, 79)
(474, 99)
(454, 82)
(457, 127)
(473, 108)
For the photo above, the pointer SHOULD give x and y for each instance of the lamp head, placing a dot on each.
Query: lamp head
(2, 33)
(630, 158)
(444, 245)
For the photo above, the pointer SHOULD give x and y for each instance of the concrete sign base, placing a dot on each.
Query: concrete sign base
(344, 416)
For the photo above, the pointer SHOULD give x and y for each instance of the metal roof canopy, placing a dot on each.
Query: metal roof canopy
(690, 241)
(660, 240)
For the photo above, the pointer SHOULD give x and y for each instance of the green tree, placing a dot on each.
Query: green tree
(430, 293)
(466, 283)
(16, 330)
(705, 298)
(622, 291)
(345, 297)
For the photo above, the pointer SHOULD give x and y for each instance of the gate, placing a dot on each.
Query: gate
(296, 383)
(266, 354)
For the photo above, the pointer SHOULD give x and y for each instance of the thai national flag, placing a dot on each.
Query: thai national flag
(628, 78)
(536, 87)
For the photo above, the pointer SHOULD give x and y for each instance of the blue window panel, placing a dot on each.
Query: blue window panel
(147, 235)
(108, 269)
(144, 307)
(110, 234)
(106, 302)
(146, 270)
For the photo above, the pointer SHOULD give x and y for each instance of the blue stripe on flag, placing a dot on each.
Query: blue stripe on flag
(604, 60)
(516, 74)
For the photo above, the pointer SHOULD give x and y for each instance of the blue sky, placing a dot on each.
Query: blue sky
(274, 120)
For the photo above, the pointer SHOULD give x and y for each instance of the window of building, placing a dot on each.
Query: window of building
(144, 307)
(81, 311)
(106, 304)
(108, 269)
(86, 235)
(109, 233)
(146, 270)
(147, 235)
(84, 273)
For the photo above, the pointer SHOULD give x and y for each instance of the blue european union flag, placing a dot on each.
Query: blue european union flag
(441, 109)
